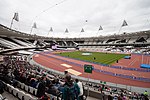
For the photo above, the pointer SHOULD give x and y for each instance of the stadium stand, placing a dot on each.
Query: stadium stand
(21, 79)
(21, 82)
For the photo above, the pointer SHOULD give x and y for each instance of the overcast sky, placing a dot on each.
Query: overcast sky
(72, 14)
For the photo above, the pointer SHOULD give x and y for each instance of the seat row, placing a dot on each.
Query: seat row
(33, 91)
(27, 88)
(21, 95)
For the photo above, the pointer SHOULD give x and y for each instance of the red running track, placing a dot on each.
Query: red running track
(55, 64)
(134, 62)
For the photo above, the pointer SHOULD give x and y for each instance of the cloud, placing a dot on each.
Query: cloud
(71, 14)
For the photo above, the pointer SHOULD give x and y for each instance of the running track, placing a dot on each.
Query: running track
(50, 60)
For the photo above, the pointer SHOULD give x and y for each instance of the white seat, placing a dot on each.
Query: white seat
(1, 97)
(22, 85)
(21, 95)
(8, 87)
(15, 91)
(31, 89)
(55, 98)
(26, 88)
(35, 91)
(19, 84)
(4, 83)
(11, 88)
(27, 97)
(32, 98)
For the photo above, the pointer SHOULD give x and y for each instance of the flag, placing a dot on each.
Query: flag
(34, 25)
(100, 28)
(16, 17)
(124, 23)
(82, 30)
(51, 29)
(66, 31)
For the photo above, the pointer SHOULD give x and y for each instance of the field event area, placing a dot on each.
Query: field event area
(97, 57)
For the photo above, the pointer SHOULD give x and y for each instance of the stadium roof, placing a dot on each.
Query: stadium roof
(7, 32)
(75, 15)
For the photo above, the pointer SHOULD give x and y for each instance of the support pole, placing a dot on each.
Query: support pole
(31, 30)
(11, 24)
(119, 30)
(97, 33)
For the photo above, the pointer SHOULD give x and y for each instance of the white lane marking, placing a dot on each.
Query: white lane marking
(66, 65)
(74, 72)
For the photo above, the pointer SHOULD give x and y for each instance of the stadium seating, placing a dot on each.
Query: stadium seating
(92, 44)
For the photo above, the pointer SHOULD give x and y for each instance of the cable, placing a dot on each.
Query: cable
(48, 9)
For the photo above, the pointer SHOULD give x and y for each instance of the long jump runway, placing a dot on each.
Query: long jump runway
(62, 63)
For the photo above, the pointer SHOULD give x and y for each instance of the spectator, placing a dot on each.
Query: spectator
(81, 89)
(146, 93)
(110, 96)
(33, 82)
(41, 87)
(69, 92)
(65, 72)
(52, 90)
(44, 97)
(1, 87)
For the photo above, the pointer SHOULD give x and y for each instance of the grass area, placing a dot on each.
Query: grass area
(104, 58)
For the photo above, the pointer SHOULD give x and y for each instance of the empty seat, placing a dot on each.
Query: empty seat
(21, 95)
(35, 91)
(19, 84)
(9, 88)
(26, 88)
(33, 98)
(22, 85)
(27, 97)
(55, 98)
(31, 90)
(2, 98)
(15, 92)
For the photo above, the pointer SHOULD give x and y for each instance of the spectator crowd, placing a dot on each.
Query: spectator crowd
(17, 69)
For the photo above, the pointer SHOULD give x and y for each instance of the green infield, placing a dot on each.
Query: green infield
(103, 58)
